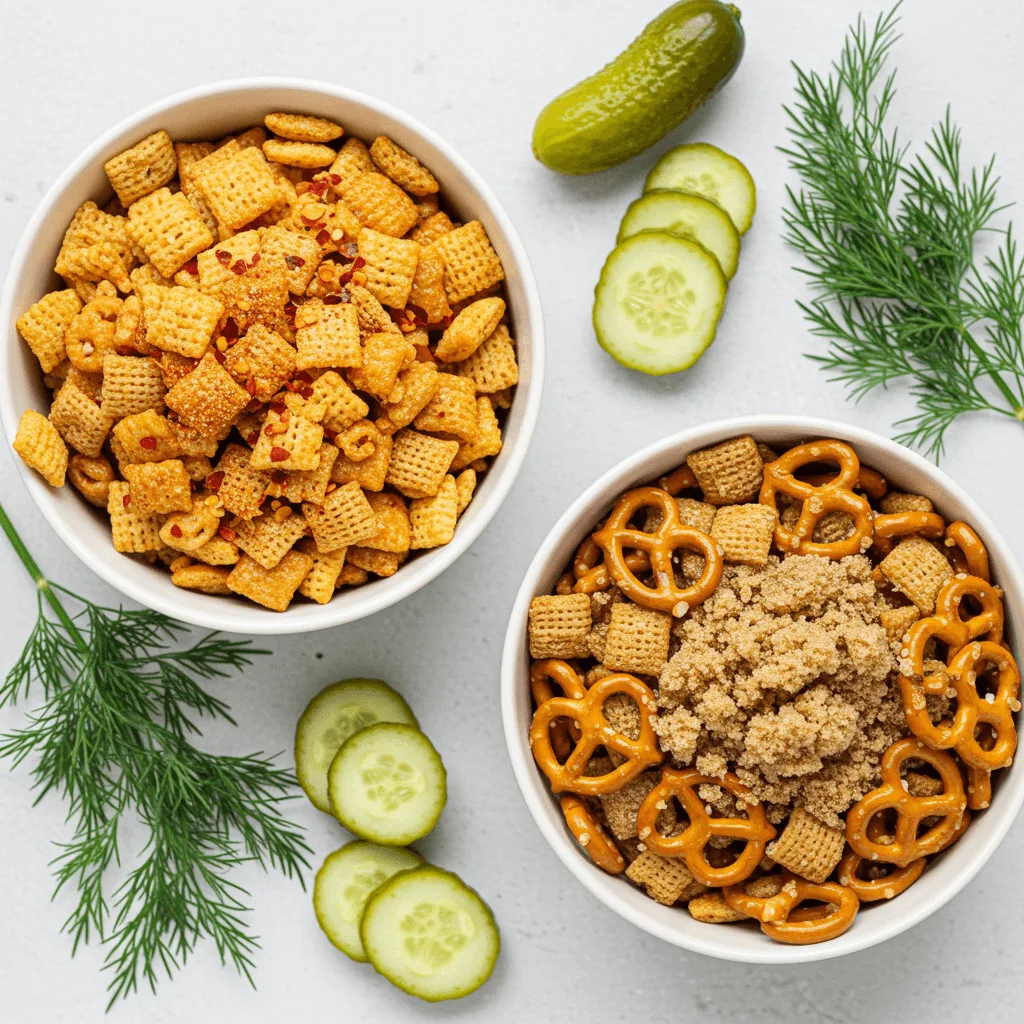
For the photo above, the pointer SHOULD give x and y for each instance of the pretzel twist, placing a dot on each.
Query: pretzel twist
(903, 524)
(591, 836)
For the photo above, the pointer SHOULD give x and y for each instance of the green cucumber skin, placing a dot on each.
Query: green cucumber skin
(679, 60)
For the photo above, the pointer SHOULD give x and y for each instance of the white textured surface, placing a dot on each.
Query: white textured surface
(478, 73)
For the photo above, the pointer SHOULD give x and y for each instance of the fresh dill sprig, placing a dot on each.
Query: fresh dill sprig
(888, 243)
(111, 736)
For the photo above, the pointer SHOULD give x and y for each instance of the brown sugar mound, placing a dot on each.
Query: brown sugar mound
(785, 676)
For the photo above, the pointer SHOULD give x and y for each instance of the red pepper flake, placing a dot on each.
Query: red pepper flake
(358, 263)
(176, 530)
(311, 222)
(214, 480)
(291, 386)
(148, 442)
(345, 277)
(126, 500)
(279, 454)
(418, 311)
(278, 407)
(250, 386)
(332, 300)
(218, 355)
(269, 430)
(230, 331)
(334, 179)
(306, 392)
(318, 188)
(252, 437)
(323, 237)
(223, 256)
(192, 267)
(294, 262)
(227, 533)
(255, 259)
(239, 267)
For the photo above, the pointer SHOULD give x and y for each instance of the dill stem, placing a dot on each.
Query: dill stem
(41, 581)
(1017, 410)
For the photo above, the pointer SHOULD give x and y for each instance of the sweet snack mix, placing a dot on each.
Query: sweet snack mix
(770, 688)
(276, 361)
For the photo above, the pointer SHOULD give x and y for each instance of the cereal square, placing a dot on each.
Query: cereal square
(393, 525)
(301, 255)
(239, 188)
(287, 441)
(168, 229)
(402, 167)
(745, 532)
(432, 227)
(470, 329)
(132, 532)
(79, 420)
(41, 448)
(142, 169)
(352, 160)
(427, 292)
(637, 639)
(208, 399)
(808, 847)
(465, 485)
(390, 266)
(320, 583)
(488, 436)
(158, 486)
(205, 578)
(327, 335)
(190, 530)
(272, 588)
(712, 908)
(44, 324)
(333, 403)
(267, 538)
(896, 622)
(385, 355)
(180, 320)
(419, 463)
(416, 386)
(620, 808)
(492, 367)
(369, 471)
(309, 155)
(261, 361)
(300, 485)
(373, 317)
(343, 519)
(96, 248)
(379, 203)
(380, 563)
(666, 879)
(433, 519)
(145, 437)
(303, 127)
(729, 473)
(917, 569)
(131, 384)
(240, 487)
(897, 501)
(559, 625)
(452, 413)
(471, 264)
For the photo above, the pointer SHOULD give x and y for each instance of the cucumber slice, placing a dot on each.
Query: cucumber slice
(431, 935)
(706, 171)
(658, 302)
(333, 715)
(388, 784)
(689, 216)
(346, 880)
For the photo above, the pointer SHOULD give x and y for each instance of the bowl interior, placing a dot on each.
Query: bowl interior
(946, 874)
(209, 113)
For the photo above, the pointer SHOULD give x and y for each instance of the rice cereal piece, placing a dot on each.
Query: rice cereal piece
(41, 447)
(390, 266)
(729, 473)
(214, 265)
(301, 254)
(433, 519)
(426, 206)
(393, 527)
(465, 485)
(308, 155)
(345, 518)
(251, 138)
(168, 229)
(189, 530)
(352, 160)
(180, 320)
(745, 532)
(417, 385)
(431, 228)
(90, 335)
(44, 324)
(159, 486)
(257, 293)
(239, 486)
(217, 551)
(130, 329)
(712, 908)
(637, 639)
(833, 526)
(205, 578)
(208, 399)
(95, 248)
(559, 626)
(402, 167)
(419, 463)
(488, 437)
(373, 317)
(192, 442)
(427, 291)
(330, 225)
(239, 188)
(917, 569)
(896, 622)
(502, 399)
(897, 501)
(79, 420)
(303, 127)
(132, 531)
(261, 361)
(189, 153)
(327, 335)
(322, 579)
(145, 167)
(470, 329)
(305, 484)
(620, 808)
(452, 413)
(287, 441)
(471, 264)
(808, 847)
(333, 403)
(384, 356)
(492, 367)
(266, 538)
(91, 478)
(272, 588)
(379, 204)
(198, 467)
(665, 879)
(369, 472)
(145, 437)
(131, 384)
(352, 575)
(380, 563)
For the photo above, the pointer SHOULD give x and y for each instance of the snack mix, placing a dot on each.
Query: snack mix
(277, 363)
(770, 688)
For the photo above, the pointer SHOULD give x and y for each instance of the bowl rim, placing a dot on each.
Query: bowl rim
(538, 797)
(223, 617)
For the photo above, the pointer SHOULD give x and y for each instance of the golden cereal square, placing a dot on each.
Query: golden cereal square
(427, 292)
(390, 266)
(343, 519)
(834, 526)
(916, 569)
(301, 254)
(465, 484)
(379, 203)
(239, 486)
(712, 908)
(621, 807)
(333, 403)
(198, 467)
(380, 563)
(261, 361)
(303, 127)
(416, 386)
(272, 588)
(217, 551)
(251, 137)
(145, 167)
(208, 399)
(744, 532)
(205, 578)
(85, 251)
(189, 531)
(369, 472)
(132, 532)
(373, 317)
(488, 436)
(470, 329)
(426, 206)
(145, 437)
(808, 847)
(180, 320)
(320, 583)
(266, 538)
(402, 167)
(559, 626)
(637, 640)
(729, 473)
(41, 448)
(215, 264)
(44, 324)
(896, 622)
(130, 329)
(471, 264)
(168, 229)
(393, 526)
(327, 335)
(255, 292)
(433, 519)
(308, 155)
(897, 501)
(238, 189)
(104, 261)
(300, 485)
(352, 160)
(665, 879)
(432, 227)
(158, 487)
(192, 442)
(452, 413)
(384, 356)
(131, 384)
(492, 367)
(352, 575)
(287, 441)
(419, 463)
(79, 420)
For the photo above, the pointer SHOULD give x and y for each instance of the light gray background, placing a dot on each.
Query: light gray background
(478, 72)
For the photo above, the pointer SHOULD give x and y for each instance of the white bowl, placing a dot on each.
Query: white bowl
(876, 922)
(208, 113)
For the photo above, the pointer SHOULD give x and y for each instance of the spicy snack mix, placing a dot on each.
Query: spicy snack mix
(277, 362)
(769, 688)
